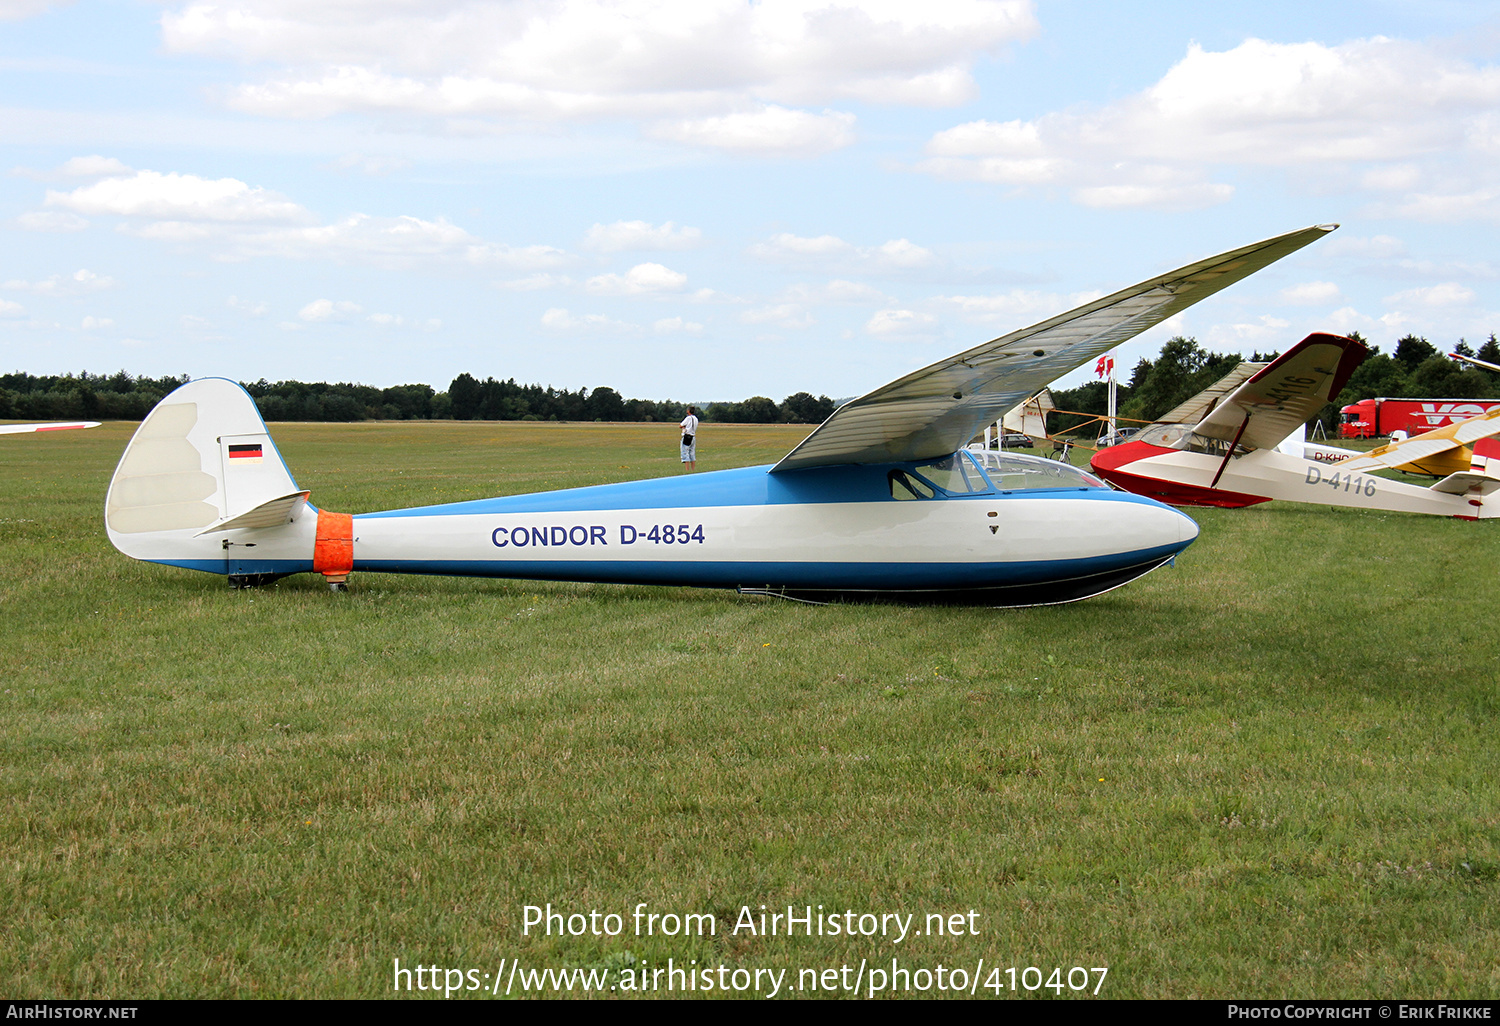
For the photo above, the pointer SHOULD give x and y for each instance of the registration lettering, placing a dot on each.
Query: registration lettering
(1350, 483)
(551, 535)
(662, 534)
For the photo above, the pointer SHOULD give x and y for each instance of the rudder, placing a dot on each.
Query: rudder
(202, 485)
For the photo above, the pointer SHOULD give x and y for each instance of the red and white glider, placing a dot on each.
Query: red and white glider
(1221, 449)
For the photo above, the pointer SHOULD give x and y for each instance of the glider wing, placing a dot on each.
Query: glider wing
(1281, 397)
(1191, 411)
(938, 409)
(1427, 444)
(66, 425)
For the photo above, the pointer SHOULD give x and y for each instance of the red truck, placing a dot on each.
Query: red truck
(1372, 418)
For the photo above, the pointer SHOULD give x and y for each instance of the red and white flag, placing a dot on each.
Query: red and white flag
(1105, 368)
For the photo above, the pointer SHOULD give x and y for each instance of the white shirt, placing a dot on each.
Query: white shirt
(689, 425)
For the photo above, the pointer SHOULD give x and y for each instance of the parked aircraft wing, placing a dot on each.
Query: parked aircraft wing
(1282, 396)
(936, 410)
(1427, 444)
(1191, 411)
(65, 425)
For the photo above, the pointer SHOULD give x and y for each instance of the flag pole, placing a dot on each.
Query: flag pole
(1111, 366)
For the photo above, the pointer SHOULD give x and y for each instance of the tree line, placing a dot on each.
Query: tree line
(123, 396)
(1414, 370)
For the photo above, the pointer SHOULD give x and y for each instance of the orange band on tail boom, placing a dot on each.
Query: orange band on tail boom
(333, 554)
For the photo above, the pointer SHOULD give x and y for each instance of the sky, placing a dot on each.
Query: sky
(713, 199)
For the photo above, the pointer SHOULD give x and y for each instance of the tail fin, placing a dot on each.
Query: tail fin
(202, 485)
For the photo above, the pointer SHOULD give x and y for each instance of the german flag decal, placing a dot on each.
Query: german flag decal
(245, 453)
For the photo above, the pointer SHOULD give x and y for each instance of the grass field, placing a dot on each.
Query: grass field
(1270, 771)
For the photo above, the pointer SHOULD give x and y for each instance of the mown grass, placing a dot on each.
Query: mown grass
(1269, 771)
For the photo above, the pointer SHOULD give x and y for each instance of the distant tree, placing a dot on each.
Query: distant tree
(802, 408)
(1181, 371)
(758, 410)
(1441, 378)
(1490, 351)
(1411, 351)
(604, 404)
(465, 397)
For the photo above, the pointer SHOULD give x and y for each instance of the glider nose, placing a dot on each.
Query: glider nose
(1187, 528)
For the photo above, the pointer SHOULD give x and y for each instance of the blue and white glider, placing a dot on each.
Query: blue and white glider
(880, 501)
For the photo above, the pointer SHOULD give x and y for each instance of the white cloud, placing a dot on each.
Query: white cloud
(628, 235)
(1264, 327)
(701, 64)
(642, 279)
(1447, 294)
(320, 310)
(192, 322)
(838, 291)
(172, 231)
(246, 307)
(373, 165)
(770, 130)
(673, 325)
(786, 245)
(392, 242)
(1158, 197)
(902, 324)
(1377, 247)
(782, 315)
(560, 320)
(236, 221)
(94, 166)
(15, 10)
(77, 283)
(9, 309)
(51, 221)
(535, 282)
(1458, 206)
(1346, 319)
(893, 257)
(1016, 308)
(179, 197)
(96, 324)
(1390, 110)
(902, 253)
(1312, 292)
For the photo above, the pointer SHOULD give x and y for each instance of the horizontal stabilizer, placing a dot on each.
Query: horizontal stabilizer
(268, 514)
(1462, 482)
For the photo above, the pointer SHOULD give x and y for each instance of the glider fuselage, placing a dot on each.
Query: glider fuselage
(819, 533)
(1186, 478)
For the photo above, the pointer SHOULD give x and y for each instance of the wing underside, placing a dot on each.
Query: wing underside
(1284, 395)
(936, 410)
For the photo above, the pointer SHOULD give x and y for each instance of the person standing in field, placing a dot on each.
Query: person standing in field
(690, 439)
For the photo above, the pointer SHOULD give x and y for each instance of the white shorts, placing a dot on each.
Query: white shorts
(690, 451)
